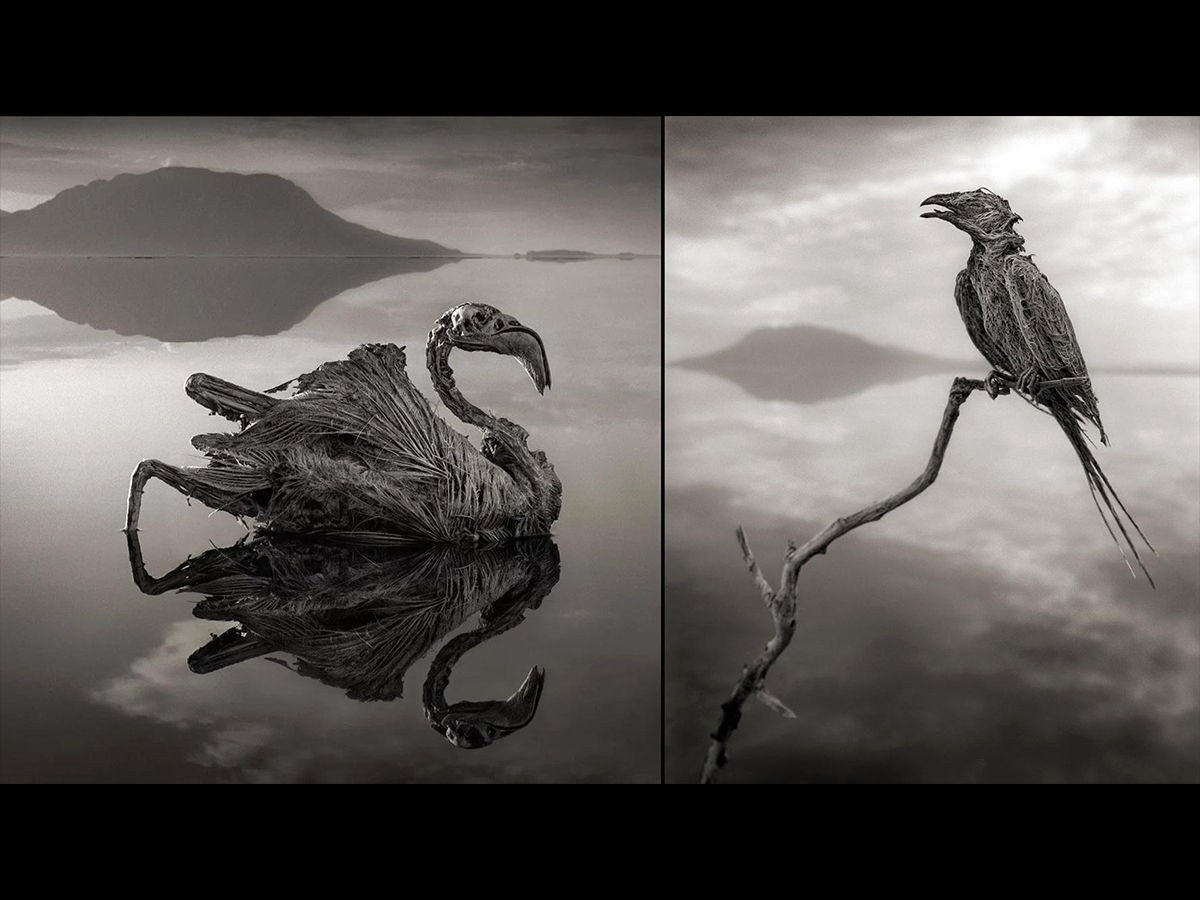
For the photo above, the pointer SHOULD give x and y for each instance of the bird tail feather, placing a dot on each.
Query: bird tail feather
(1101, 489)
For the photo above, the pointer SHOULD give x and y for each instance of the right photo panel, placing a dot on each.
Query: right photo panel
(932, 450)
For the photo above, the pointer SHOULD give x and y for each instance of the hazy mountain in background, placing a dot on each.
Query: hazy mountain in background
(195, 212)
(808, 363)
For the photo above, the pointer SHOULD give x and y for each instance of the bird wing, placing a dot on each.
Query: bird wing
(1047, 331)
(1043, 320)
(359, 429)
(369, 401)
(974, 319)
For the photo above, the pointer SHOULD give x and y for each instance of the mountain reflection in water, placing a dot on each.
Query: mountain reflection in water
(357, 617)
(194, 298)
(81, 406)
(987, 632)
(811, 364)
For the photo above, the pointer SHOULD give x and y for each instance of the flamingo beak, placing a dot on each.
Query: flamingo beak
(526, 346)
(471, 725)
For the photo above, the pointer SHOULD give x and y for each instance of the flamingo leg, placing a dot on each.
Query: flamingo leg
(227, 488)
(146, 582)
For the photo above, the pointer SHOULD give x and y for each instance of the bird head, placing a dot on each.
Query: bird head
(477, 326)
(980, 213)
(470, 725)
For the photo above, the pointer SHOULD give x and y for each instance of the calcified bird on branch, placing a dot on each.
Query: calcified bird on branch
(357, 453)
(1017, 320)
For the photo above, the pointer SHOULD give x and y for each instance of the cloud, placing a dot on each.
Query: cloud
(762, 207)
(14, 152)
(916, 665)
(33, 333)
(821, 460)
(13, 201)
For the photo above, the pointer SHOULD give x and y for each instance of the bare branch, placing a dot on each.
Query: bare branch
(773, 702)
(782, 604)
(768, 592)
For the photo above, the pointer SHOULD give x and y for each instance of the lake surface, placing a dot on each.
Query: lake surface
(988, 631)
(94, 680)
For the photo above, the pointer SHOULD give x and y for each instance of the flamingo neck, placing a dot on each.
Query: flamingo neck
(503, 441)
(437, 358)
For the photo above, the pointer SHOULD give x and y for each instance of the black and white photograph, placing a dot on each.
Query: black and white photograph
(274, 506)
(600, 449)
(942, 374)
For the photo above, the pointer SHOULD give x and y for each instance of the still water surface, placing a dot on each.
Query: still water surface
(95, 682)
(988, 631)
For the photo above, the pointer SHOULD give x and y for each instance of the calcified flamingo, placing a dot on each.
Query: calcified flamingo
(1017, 320)
(358, 453)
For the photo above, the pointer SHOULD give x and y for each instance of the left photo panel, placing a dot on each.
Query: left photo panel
(273, 505)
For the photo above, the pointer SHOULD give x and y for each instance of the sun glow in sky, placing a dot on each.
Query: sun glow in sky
(784, 221)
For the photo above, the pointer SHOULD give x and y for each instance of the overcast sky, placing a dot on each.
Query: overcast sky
(783, 221)
(497, 185)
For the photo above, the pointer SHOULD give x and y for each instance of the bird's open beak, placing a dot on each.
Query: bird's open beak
(946, 200)
(526, 345)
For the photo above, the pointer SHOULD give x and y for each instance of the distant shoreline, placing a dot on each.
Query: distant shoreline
(966, 366)
(455, 256)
